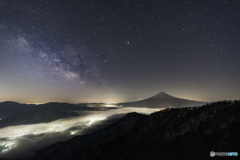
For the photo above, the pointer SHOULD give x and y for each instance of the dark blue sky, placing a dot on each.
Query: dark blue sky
(114, 50)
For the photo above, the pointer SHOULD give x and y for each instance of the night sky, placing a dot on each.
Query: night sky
(119, 50)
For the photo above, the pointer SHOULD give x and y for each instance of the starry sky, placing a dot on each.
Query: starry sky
(118, 50)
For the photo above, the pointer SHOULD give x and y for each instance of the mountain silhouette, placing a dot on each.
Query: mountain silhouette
(162, 100)
(177, 133)
(13, 113)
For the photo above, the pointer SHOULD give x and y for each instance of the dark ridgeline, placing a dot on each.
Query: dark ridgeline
(12, 113)
(162, 100)
(176, 133)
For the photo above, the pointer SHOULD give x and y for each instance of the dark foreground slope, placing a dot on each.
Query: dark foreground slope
(186, 133)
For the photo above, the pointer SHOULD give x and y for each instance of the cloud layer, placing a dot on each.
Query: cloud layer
(24, 140)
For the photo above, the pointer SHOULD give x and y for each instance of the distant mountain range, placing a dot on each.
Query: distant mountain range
(162, 100)
(177, 133)
(12, 113)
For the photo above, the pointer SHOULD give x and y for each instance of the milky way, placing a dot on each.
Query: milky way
(68, 63)
(115, 51)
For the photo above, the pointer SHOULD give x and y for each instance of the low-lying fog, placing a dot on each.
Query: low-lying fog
(24, 140)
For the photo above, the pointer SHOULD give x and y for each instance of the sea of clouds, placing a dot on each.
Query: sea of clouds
(23, 141)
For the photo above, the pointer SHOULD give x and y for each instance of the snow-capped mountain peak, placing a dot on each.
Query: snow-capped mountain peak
(162, 95)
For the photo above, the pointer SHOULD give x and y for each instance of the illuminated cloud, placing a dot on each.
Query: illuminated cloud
(18, 139)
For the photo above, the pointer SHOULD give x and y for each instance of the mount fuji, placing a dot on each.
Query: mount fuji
(163, 100)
